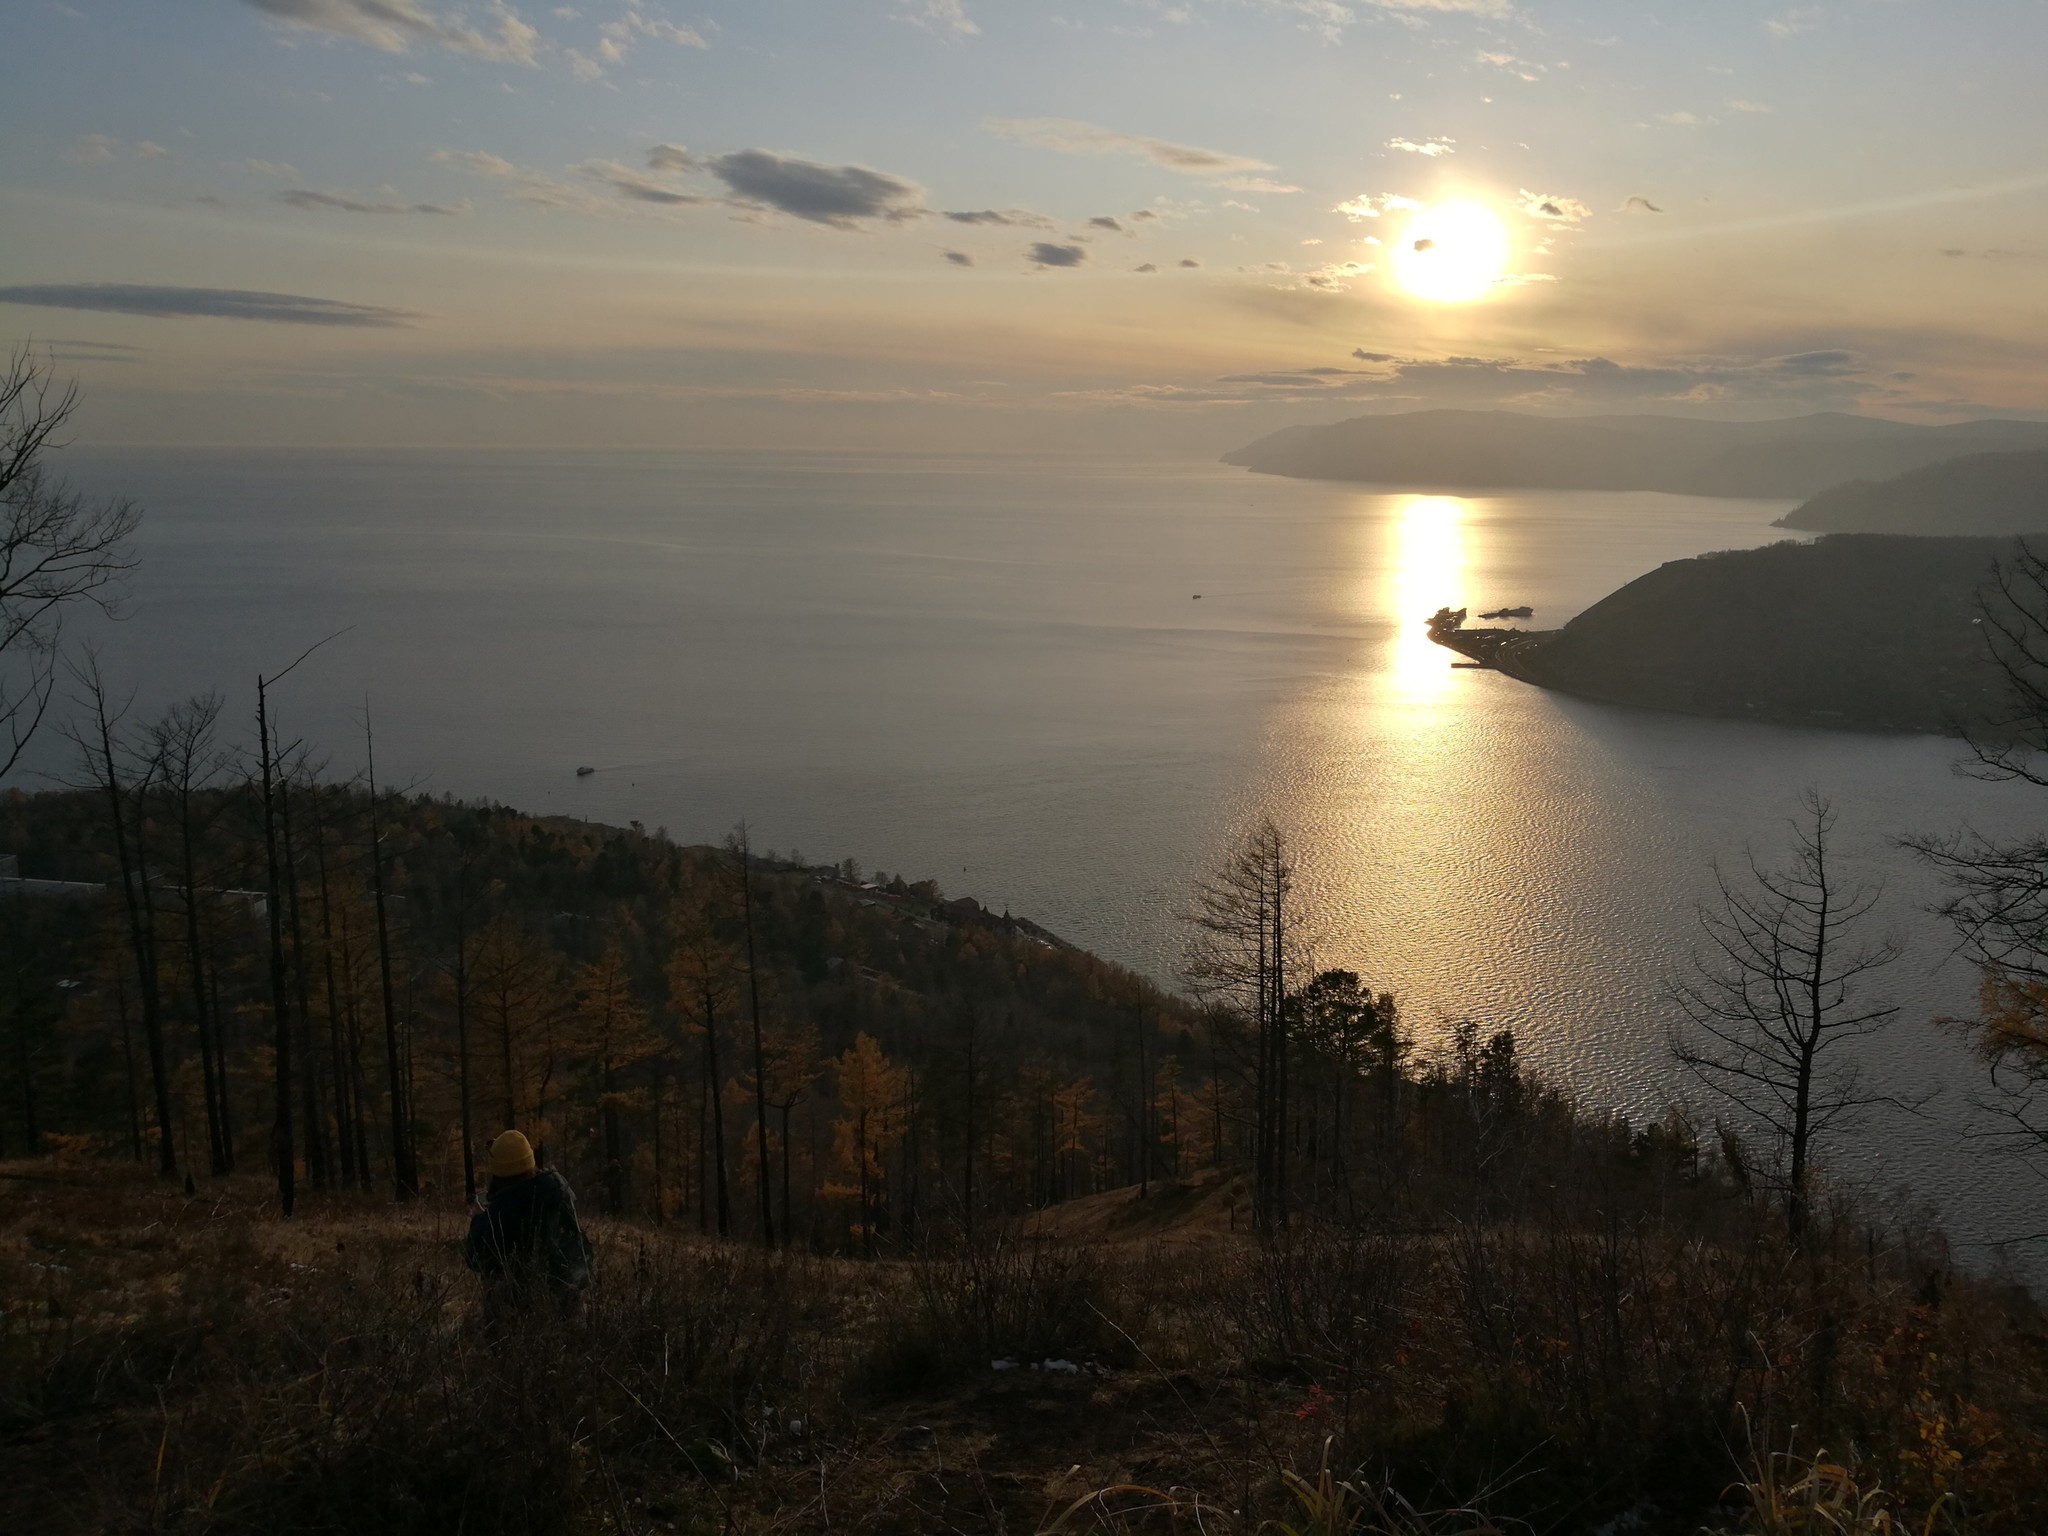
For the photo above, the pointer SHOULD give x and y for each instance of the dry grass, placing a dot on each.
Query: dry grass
(195, 1365)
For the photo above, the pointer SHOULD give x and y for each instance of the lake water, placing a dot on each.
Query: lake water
(996, 672)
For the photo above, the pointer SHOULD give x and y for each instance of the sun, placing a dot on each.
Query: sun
(1451, 253)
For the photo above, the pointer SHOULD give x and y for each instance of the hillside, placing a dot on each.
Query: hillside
(1484, 450)
(1980, 494)
(1855, 631)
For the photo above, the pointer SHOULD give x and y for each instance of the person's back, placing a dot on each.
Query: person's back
(526, 1240)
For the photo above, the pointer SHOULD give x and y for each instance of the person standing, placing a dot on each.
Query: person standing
(524, 1240)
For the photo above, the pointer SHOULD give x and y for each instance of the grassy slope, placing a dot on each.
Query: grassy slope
(193, 1364)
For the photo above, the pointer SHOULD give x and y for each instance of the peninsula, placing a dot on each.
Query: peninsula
(1853, 632)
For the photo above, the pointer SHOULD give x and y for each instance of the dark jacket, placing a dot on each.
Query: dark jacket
(528, 1231)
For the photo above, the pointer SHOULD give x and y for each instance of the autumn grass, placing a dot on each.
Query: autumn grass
(195, 1365)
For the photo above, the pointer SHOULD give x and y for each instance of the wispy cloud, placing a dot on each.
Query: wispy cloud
(536, 189)
(1046, 254)
(103, 149)
(1019, 217)
(1801, 18)
(218, 303)
(944, 16)
(1369, 205)
(1072, 137)
(636, 187)
(335, 202)
(1430, 147)
(393, 26)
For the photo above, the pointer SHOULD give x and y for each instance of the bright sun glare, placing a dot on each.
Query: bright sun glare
(1451, 253)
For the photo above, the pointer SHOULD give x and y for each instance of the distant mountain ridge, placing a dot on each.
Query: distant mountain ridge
(1500, 450)
(1980, 494)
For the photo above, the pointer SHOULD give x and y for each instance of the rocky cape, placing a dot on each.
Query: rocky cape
(1853, 632)
(1506, 450)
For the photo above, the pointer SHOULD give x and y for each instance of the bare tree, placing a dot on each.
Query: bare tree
(1998, 889)
(57, 549)
(741, 847)
(1248, 931)
(183, 742)
(1777, 1004)
(108, 762)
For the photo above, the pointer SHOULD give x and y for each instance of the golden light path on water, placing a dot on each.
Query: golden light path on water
(1426, 562)
(1448, 814)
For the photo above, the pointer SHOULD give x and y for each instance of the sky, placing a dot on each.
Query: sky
(1144, 226)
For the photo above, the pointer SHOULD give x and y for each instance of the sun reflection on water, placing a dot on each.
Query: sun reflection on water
(1425, 570)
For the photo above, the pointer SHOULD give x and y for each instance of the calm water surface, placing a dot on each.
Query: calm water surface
(996, 672)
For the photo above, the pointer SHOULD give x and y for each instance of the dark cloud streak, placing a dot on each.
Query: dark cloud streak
(216, 303)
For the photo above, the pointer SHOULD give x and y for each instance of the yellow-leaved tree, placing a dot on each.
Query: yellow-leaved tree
(870, 1097)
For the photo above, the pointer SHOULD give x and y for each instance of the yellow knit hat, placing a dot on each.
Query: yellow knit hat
(511, 1155)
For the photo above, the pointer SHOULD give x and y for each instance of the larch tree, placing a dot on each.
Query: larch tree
(1247, 934)
(1771, 1021)
(870, 1087)
(700, 974)
(613, 1037)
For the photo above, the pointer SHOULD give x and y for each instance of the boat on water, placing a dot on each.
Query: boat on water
(584, 773)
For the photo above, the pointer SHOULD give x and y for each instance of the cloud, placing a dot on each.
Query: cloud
(1520, 68)
(1757, 107)
(1108, 223)
(1367, 206)
(1258, 184)
(1072, 137)
(1801, 18)
(103, 149)
(302, 197)
(218, 303)
(959, 258)
(273, 168)
(1430, 147)
(635, 187)
(1147, 267)
(671, 157)
(837, 195)
(616, 40)
(1448, 7)
(1957, 252)
(945, 16)
(528, 186)
(1017, 217)
(1640, 204)
(1559, 210)
(393, 26)
(1046, 254)
(1189, 261)
(1684, 120)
